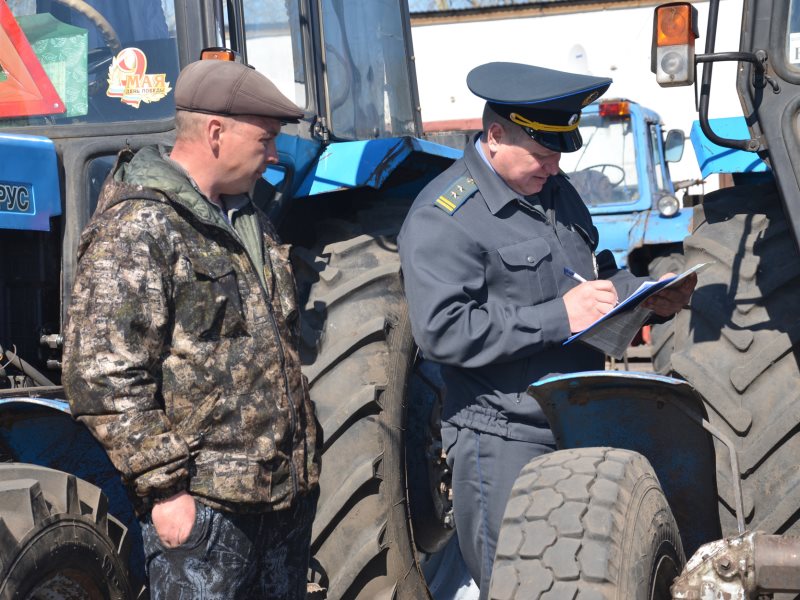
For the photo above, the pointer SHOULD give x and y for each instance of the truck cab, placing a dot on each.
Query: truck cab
(622, 174)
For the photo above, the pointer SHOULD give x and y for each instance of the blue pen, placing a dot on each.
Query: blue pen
(573, 275)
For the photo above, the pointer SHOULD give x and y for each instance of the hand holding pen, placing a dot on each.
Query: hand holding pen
(588, 301)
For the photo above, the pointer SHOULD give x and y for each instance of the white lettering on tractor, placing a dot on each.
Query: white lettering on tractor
(14, 198)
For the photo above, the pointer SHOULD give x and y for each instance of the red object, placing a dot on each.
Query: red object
(614, 108)
(26, 90)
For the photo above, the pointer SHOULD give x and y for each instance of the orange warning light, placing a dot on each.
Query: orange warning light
(675, 24)
(25, 88)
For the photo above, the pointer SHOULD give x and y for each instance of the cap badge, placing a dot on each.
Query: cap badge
(573, 119)
(591, 98)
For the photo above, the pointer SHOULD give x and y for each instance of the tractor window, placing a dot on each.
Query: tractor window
(275, 44)
(604, 171)
(86, 61)
(793, 37)
(369, 87)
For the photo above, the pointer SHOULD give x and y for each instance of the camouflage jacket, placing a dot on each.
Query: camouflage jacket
(180, 351)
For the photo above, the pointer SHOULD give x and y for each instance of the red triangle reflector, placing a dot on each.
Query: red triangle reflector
(25, 88)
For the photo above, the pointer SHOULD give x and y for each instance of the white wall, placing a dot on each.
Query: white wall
(606, 43)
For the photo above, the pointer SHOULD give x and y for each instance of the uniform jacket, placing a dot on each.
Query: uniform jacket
(180, 352)
(485, 288)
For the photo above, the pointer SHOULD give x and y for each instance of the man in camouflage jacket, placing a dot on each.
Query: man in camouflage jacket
(181, 352)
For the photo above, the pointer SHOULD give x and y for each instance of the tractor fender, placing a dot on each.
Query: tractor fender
(369, 163)
(645, 413)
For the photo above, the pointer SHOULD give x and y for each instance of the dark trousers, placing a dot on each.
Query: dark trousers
(484, 469)
(231, 556)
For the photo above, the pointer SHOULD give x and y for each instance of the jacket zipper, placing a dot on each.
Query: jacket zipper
(292, 412)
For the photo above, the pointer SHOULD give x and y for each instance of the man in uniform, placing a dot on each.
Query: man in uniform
(483, 254)
(181, 356)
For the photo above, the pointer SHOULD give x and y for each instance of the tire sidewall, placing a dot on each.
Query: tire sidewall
(71, 545)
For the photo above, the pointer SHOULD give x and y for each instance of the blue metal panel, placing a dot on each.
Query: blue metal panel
(29, 184)
(667, 230)
(347, 165)
(618, 232)
(296, 155)
(716, 159)
(639, 412)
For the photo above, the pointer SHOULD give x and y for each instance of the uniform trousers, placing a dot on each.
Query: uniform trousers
(233, 556)
(484, 468)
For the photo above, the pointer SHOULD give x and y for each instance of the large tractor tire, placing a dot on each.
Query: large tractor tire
(358, 355)
(587, 523)
(739, 345)
(57, 539)
(662, 335)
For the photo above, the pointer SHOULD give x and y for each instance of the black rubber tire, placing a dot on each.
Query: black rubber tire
(662, 335)
(587, 523)
(739, 346)
(358, 354)
(57, 539)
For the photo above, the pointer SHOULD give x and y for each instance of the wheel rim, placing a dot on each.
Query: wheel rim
(664, 573)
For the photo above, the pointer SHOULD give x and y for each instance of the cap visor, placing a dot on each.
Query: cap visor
(567, 141)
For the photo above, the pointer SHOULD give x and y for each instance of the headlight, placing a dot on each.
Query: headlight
(668, 206)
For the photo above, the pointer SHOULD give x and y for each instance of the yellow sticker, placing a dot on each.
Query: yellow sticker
(129, 80)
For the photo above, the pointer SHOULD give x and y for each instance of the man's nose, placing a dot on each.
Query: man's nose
(271, 153)
(552, 164)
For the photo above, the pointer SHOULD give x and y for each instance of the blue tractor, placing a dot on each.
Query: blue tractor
(622, 174)
(82, 79)
(652, 469)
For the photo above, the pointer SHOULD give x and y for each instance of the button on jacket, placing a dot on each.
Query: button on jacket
(485, 288)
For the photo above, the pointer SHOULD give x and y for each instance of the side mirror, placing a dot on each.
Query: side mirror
(673, 145)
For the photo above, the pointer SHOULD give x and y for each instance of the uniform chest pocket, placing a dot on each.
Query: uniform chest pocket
(528, 271)
(207, 300)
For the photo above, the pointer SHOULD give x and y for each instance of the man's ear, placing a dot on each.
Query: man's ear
(495, 136)
(213, 132)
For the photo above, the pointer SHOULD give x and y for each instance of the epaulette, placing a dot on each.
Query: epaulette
(461, 190)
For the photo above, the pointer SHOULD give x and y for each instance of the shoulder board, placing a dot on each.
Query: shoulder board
(461, 190)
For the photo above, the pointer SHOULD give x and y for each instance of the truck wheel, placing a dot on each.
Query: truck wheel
(358, 355)
(587, 522)
(662, 334)
(57, 539)
(739, 346)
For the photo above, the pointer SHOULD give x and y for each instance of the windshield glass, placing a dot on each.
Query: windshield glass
(603, 171)
(793, 39)
(275, 46)
(369, 89)
(86, 61)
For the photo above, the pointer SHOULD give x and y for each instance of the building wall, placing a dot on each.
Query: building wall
(609, 43)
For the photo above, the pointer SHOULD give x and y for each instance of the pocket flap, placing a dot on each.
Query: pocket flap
(212, 267)
(525, 254)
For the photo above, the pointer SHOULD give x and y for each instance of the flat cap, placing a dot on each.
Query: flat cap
(222, 87)
(546, 103)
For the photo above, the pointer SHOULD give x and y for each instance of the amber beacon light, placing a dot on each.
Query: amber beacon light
(674, 33)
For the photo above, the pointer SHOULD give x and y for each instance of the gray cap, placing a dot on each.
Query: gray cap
(223, 87)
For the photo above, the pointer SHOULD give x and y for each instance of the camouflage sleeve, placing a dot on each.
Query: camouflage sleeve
(115, 335)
